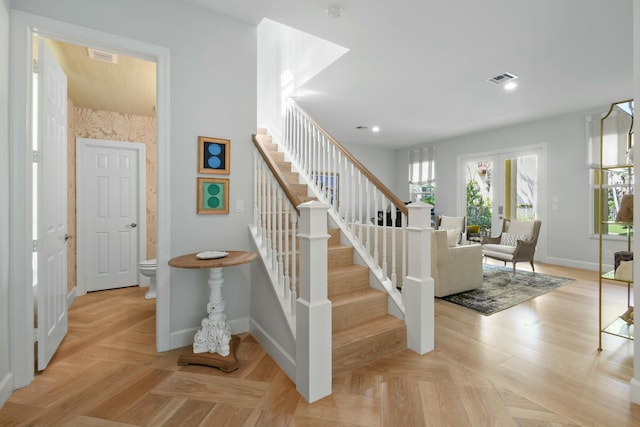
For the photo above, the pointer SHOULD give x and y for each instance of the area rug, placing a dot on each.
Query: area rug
(501, 289)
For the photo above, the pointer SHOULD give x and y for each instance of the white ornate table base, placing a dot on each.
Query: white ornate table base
(213, 344)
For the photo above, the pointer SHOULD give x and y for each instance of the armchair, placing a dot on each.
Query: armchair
(516, 243)
(454, 268)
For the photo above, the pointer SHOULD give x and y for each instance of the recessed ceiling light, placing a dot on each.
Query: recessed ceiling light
(376, 128)
(510, 85)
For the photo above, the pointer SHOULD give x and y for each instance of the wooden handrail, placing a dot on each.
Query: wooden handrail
(293, 198)
(399, 204)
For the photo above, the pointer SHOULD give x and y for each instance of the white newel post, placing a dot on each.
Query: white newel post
(418, 286)
(313, 309)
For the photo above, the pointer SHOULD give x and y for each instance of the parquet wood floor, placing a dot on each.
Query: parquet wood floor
(535, 364)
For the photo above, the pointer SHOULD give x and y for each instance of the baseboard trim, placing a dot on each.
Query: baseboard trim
(184, 337)
(6, 388)
(286, 362)
(634, 391)
(572, 263)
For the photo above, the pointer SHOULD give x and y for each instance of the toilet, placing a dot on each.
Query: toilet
(148, 269)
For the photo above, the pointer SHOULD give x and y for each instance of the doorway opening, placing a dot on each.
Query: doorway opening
(114, 100)
(24, 27)
(500, 185)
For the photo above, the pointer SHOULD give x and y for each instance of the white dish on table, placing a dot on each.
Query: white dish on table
(211, 254)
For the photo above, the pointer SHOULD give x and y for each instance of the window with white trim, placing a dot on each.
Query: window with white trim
(422, 183)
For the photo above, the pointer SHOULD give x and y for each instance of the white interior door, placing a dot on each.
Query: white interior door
(110, 213)
(51, 207)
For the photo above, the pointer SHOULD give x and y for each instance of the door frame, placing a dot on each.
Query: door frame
(23, 27)
(83, 144)
(541, 251)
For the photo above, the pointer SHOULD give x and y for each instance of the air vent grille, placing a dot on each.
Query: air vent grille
(101, 55)
(501, 78)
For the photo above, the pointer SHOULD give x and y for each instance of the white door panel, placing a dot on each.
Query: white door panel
(51, 206)
(110, 203)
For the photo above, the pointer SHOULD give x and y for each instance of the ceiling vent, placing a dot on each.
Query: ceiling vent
(101, 55)
(501, 78)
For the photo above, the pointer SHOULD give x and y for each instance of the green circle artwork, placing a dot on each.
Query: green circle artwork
(213, 195)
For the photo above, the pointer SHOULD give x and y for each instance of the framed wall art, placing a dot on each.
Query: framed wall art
(213, 155)
(213, 196)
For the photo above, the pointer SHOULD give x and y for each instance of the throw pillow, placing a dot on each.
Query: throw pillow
(452, 237)
(473, 228)
(624, 271)
(511, 239)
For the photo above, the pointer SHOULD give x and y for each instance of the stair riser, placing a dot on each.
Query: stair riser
(278, 156)
(362, 352)
(340, 257)
(357, 312)
(348, 281)
(284, 166)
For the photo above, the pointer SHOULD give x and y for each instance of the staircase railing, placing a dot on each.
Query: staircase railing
(373, 217)
(276, 217)
(280, 219)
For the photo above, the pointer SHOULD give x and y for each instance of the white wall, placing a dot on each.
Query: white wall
(566, 230)
(287, 58)
(213, 93)
(379, 161)
(635, 381)
(6, 384)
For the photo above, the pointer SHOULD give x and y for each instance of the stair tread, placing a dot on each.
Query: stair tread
(340, 246)
(347, 269)
(363, 331)
(356, 296)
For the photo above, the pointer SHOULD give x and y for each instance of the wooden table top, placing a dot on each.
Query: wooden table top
(191, 261)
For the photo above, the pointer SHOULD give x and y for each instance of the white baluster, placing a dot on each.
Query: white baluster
(287, 252)
(353, 194)
(294, 272)
(360, 219)
(393, 244)
(368, 227)
(274, 237)
(376, 254)
(267, 217)
(279, 239)
(384, 236)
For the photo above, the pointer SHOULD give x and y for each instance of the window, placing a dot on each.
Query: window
(422, 184)
(611, 175)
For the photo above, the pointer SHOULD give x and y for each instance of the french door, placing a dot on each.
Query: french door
(501, 185)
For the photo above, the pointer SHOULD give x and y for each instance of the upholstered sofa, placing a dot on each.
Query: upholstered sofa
(454, 268)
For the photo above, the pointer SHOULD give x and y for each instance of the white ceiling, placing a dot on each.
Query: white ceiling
(419, 68)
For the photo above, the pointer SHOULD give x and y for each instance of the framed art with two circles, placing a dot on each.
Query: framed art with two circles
(213, 196)
(213, 155)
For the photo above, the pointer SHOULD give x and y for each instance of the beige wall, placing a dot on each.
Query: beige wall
(85, 123)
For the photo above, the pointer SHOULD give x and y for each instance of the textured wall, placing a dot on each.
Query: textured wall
(107, 125)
